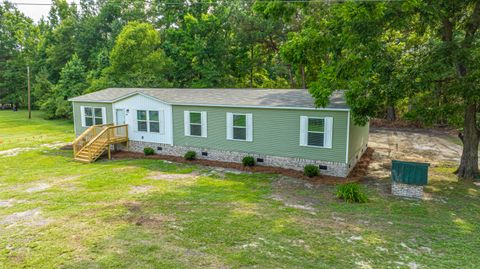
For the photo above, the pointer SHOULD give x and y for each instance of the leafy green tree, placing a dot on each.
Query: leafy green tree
(383, 53)
(17, 46)
(41, 87)
(136, 59)
(72, 83)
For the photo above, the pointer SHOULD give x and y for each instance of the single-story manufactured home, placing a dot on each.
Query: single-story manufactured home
(278, 127)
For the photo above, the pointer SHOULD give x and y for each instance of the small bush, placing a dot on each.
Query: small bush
(190, 155)
(148, 151)
(351, 193)
(248, 161)
(311, 170)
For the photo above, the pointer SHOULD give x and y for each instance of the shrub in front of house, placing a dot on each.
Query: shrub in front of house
(148, 151)
(311, 170)
(351, 193)
(248, 161)
(190, 155)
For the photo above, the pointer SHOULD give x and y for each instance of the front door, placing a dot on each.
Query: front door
(120, 120)
(120, 113)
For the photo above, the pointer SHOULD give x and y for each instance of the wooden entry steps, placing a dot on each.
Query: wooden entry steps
(95, 140)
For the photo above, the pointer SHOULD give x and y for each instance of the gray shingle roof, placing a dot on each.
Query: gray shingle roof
(291, 98)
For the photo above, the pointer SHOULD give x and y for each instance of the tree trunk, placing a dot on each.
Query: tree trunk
(391, 113)
(251, 67)
(290, 75)
(302, 69)
(469, 162)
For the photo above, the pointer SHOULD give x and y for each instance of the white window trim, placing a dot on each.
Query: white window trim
(83, 116)
(187, 123)
(160, 121)
(327, 133)
(248, 126)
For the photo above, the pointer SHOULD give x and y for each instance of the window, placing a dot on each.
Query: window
(148, 121)
(240, 126)
(154, 121)
(316, 131)
(195, 123)
(92, 116)
(142, 121)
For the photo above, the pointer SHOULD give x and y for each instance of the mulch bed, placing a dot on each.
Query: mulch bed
(355, 175)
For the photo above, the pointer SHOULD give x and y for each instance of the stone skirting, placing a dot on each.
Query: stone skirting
(332, 168)
(406, 190)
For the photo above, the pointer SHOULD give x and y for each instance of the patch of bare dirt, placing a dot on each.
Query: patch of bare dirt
(138, 217)
(291, 192)
(31, 217)
(67, 147)
(39, 187)
(10, 202)
(16, 151)
(171, 177)
(127, 168)
(140, 189)
(150, 221)
(133, 206)
(406, 145)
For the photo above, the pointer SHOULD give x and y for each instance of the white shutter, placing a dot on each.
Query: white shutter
(82, 116)
(229, 125)
(327, 139)
(161, 118)
(186, 122)
(104, 115)
(303, 130)
(204, 124)
(249, 118)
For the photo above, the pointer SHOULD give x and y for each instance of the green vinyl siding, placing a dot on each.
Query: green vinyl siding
(77, 114)
(357, 139)
(275, 132)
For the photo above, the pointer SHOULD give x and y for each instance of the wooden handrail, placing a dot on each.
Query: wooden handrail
(88, 131)
(104, 131)
(107, 136)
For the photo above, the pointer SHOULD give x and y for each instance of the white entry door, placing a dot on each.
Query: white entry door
(120, 116)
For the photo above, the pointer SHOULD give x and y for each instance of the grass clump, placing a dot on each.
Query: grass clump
(248, 161)
(351, 193)
(148, 151)
(311, 170)
(190, 155)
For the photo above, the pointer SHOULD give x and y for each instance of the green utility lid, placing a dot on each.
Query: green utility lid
(411, 173)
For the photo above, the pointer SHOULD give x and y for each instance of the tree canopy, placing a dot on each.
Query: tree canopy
(413, 60)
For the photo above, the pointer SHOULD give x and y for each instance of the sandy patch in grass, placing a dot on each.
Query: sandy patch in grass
(140, 189)
(171, 177)
(128, 168)
(31, 217)
(39, 187)
(10, 202)
(16, 151)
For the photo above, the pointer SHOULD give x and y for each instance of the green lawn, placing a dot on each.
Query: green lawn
(16, 130)
(55, 212)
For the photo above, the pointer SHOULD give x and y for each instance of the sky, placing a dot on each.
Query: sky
(36, 12)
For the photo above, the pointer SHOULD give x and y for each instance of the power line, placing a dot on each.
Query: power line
(217, 2)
